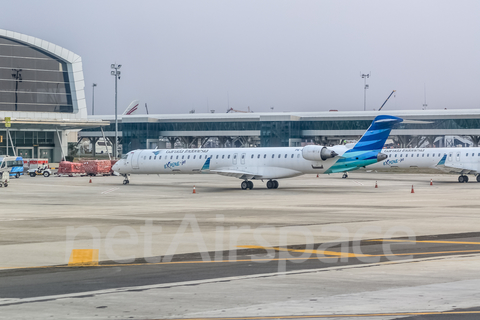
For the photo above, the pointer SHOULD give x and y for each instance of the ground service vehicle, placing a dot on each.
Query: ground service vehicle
(12, 164)
(40, 171)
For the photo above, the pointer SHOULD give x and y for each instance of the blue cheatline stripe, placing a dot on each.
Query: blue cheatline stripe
(354, 159)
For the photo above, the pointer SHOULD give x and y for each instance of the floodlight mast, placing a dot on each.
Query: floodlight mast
(116, 74)
(93, 98)
(365, 77)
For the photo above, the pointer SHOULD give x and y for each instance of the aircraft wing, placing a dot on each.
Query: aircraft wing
(237, 174)
(453, 167)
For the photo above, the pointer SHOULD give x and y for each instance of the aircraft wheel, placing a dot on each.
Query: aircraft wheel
(126, 182)
(32, 174)
(250, 185)
(460, 179)
(5, 184)
(46, 174)
(465, 178)
(478, 178)
(270, 184)
(345, 175)
(244, 185)
(275, 184)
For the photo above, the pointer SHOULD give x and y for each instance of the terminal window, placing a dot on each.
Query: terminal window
(32, 80)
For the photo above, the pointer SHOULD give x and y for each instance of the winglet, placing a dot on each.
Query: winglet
(206, 165)
(442, 161)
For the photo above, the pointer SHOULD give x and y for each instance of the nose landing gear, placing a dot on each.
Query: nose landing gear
(126, 180)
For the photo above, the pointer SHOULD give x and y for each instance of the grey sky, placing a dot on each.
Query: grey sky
(291, 55)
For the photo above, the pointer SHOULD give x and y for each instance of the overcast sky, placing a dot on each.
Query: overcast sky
(288, 55)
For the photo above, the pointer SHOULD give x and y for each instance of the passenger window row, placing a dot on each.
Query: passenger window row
(206, 156)
(418, 155)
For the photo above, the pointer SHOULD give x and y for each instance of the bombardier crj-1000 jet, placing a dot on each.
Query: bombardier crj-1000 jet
(463, 161)
(262, 163)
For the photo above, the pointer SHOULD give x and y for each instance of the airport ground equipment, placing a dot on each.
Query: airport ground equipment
(12, 164)
(4, 178)
(40, 171)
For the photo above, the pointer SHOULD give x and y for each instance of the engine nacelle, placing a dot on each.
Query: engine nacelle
(317, 153)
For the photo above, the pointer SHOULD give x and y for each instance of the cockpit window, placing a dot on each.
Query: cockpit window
(124, 157)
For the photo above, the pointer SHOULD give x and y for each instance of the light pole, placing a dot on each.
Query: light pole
(365, 76)
(18, 78)
(93, 98)
(116, 74)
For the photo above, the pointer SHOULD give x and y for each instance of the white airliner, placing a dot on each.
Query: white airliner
(455, 160)
(262, 163)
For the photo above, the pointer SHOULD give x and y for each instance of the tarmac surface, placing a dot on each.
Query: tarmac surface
(316, 248)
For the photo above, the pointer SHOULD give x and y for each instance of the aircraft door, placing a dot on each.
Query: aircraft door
(242, 159)
(135, 157)
(234, 160)
(458, 159)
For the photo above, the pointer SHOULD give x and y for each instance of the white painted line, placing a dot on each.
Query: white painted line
(109, 190)
(197, 282)
(358, 182)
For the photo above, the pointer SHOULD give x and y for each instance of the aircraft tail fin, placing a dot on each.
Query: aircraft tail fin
(368, 149)
(376, 135)
(132, 108)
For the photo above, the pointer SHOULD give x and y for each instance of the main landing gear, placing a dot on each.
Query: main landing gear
(463, 178)
(126, 180)
(345, 175)
(272, 184)
(247, 185)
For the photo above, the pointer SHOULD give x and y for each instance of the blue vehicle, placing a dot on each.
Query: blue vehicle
(14, 165)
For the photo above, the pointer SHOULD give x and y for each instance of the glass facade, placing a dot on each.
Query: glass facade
(272, 133)
(27, 139)
(278, 133)
(32, 80)
(364, 124)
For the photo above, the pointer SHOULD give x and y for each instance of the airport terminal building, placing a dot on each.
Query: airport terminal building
(42, 94)
(276, 129)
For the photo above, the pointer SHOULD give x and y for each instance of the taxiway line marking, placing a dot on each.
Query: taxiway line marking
(5, 302)
(330, 253)
(426, 241)
(109, 190)
(326, 316)
(249, 260)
